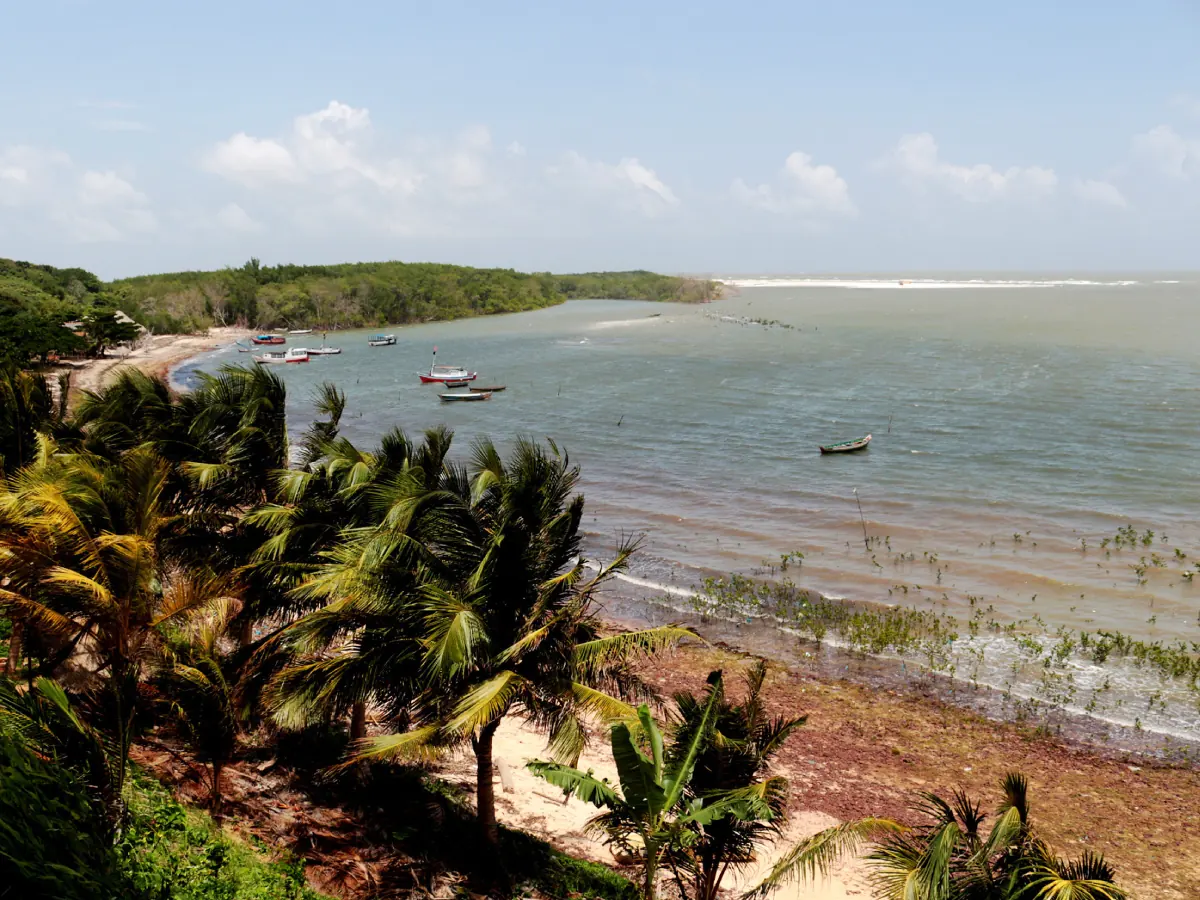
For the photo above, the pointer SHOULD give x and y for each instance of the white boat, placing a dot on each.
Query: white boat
(441, 374)
(301, 331)
(293, 355)
(381, 340)
(324, 351)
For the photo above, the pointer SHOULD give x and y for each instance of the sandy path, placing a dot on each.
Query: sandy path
(526, 802)
(153, 354)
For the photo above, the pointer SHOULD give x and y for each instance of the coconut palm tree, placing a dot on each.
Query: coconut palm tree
(195, 680)
(745, 738)
(950, 856)
(466, 603)
(82, 563)
(657, 811)
(27, 409)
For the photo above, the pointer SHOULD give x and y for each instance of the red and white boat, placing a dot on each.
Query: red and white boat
(441, 374)
(294, 355)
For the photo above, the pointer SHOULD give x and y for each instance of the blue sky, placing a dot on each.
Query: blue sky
(750, 138)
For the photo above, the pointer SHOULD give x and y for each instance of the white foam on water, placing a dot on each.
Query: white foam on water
(916, 283)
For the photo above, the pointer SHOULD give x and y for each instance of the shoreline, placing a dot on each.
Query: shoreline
(760, 637)
(154, 354)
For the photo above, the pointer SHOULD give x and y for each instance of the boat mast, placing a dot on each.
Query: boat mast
(433, 365)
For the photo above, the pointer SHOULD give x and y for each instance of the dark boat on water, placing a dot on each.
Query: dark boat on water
(848, 446)
(460, 383)
(488, 389)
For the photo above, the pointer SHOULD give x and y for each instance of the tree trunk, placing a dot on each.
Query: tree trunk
(358, 721)
(14, 650)
(650, 890)
(246, 632)
(215, 799)
(485, 791)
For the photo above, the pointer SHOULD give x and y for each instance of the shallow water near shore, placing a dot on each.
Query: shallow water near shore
(1018, 423)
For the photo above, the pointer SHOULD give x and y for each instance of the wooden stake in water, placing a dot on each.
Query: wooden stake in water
(866, 541)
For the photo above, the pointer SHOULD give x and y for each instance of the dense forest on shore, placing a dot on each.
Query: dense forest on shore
(35, 300)
(364, 294)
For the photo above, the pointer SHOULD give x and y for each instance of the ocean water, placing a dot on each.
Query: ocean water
(1018, 422)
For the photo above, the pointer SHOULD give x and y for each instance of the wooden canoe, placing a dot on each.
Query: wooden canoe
(467, 396)
(489, 389)
(848, 446)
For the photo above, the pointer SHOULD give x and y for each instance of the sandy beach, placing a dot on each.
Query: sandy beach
(154, 354)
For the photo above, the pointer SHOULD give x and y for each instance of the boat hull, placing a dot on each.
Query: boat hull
(847, 446)
(268, 341)
(488, 389)
(427, 378)
(473, 396)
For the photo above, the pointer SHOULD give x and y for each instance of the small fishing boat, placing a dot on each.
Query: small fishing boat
(268, 339)
(848, 446)
(300, 331)
(489, 389)
(381, 340)
(324, 351)
(470, 395)
(444, 374)
(293, 355)
(460, 383)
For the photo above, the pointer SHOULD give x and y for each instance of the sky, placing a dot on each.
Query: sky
(755, 138)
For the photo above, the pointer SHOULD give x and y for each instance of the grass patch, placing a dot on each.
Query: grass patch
(169, 852)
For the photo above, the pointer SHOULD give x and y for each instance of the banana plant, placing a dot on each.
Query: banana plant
(652, 813)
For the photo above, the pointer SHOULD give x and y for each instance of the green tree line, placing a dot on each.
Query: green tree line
(367, 294)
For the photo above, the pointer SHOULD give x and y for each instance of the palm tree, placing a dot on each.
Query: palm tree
(656, 812)
(27, 409)
(81, 553)
(468, 602)
(950, 857)
(745, 740)
(194, 680)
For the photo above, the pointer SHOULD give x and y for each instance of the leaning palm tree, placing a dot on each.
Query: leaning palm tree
(82, 565)
(950, 856)
(746, 738)
(467, 603)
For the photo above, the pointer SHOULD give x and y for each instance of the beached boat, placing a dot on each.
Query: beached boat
(848, 446)
(300, 331)
(268, 339)
(292, 355)
(381, 340)
(488, 389)
(470, 395)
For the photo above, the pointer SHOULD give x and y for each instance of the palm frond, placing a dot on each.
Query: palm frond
(816, 855)
(485, 702)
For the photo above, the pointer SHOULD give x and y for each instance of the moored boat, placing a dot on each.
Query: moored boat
(381, 340)
(470, 395)
(293, 355)
(444, 374)
(460, 383)
(489, 389)
(300, 331)
(848, 446)
(268, 339)
(324, 351)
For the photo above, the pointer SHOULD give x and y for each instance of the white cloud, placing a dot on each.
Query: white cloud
(627, 184)
(802, 187)
(251, 161)
(233, 218)
(516, 148)
(1101, 192)
(1169, 151)
(917, 159)
(45, 189)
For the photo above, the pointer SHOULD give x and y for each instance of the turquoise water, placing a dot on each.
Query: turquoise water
(1010, 423)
